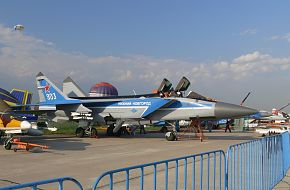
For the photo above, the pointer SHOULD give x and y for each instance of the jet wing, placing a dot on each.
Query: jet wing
(157, 104)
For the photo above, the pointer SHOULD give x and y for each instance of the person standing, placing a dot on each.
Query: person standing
(228, 126)
(142, 129)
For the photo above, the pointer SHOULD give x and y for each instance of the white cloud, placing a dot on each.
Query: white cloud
(281, 37)
(22, 57)
(251, 57)
(248, 32)
(287, 37)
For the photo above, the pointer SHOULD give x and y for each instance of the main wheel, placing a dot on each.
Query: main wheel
(170, 136)
(80, 132)
(7, 144)
(94, 132)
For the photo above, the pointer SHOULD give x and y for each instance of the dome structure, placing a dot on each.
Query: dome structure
(103, 89)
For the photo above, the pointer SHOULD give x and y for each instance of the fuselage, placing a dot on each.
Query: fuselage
(157, 109)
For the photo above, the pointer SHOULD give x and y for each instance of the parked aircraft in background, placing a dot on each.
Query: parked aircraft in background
(12, 122)
(267, 116)
(136, 108)
(275, 116)
(273, 129)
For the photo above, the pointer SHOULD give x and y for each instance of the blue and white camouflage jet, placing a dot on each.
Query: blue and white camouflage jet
(136, 108)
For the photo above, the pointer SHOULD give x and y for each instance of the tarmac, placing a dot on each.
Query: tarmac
(284, 183)
(86, 158)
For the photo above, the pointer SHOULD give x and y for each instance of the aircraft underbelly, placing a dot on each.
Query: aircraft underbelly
(181, 114)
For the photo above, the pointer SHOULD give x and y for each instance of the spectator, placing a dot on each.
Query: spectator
(228, 126)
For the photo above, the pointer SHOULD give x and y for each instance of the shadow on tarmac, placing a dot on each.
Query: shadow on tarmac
(69, 142)
(56, 142)
(231, 138)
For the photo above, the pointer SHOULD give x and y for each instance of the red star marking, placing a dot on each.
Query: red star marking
(46, 88)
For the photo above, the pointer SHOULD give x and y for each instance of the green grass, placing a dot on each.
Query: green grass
(152, 128)
(69, 128)
(65, 128)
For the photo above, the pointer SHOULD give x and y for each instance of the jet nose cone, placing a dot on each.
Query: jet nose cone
(226, 110)
(25, 125)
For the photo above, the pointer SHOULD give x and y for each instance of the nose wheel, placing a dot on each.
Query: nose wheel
(171, 136)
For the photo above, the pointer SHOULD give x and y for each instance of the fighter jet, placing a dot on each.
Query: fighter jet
(120, 109)
(268, 116)
(12, 123)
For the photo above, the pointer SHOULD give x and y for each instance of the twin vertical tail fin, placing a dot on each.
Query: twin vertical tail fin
(71, 89)
(49, 93)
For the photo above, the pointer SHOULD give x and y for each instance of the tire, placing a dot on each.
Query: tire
(170, 136)
(94, 132)
(80, 132)
(7, 144)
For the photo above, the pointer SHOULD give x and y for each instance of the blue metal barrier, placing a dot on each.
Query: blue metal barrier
(206, 171)
(286, 151)
(256, 164)
(34, 185)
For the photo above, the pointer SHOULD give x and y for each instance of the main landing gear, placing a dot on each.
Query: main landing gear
(8, 143)
(89, 131)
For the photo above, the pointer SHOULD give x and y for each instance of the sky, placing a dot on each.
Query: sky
(226, 48)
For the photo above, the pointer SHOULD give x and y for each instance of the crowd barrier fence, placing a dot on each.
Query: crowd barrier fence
(257, 164)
